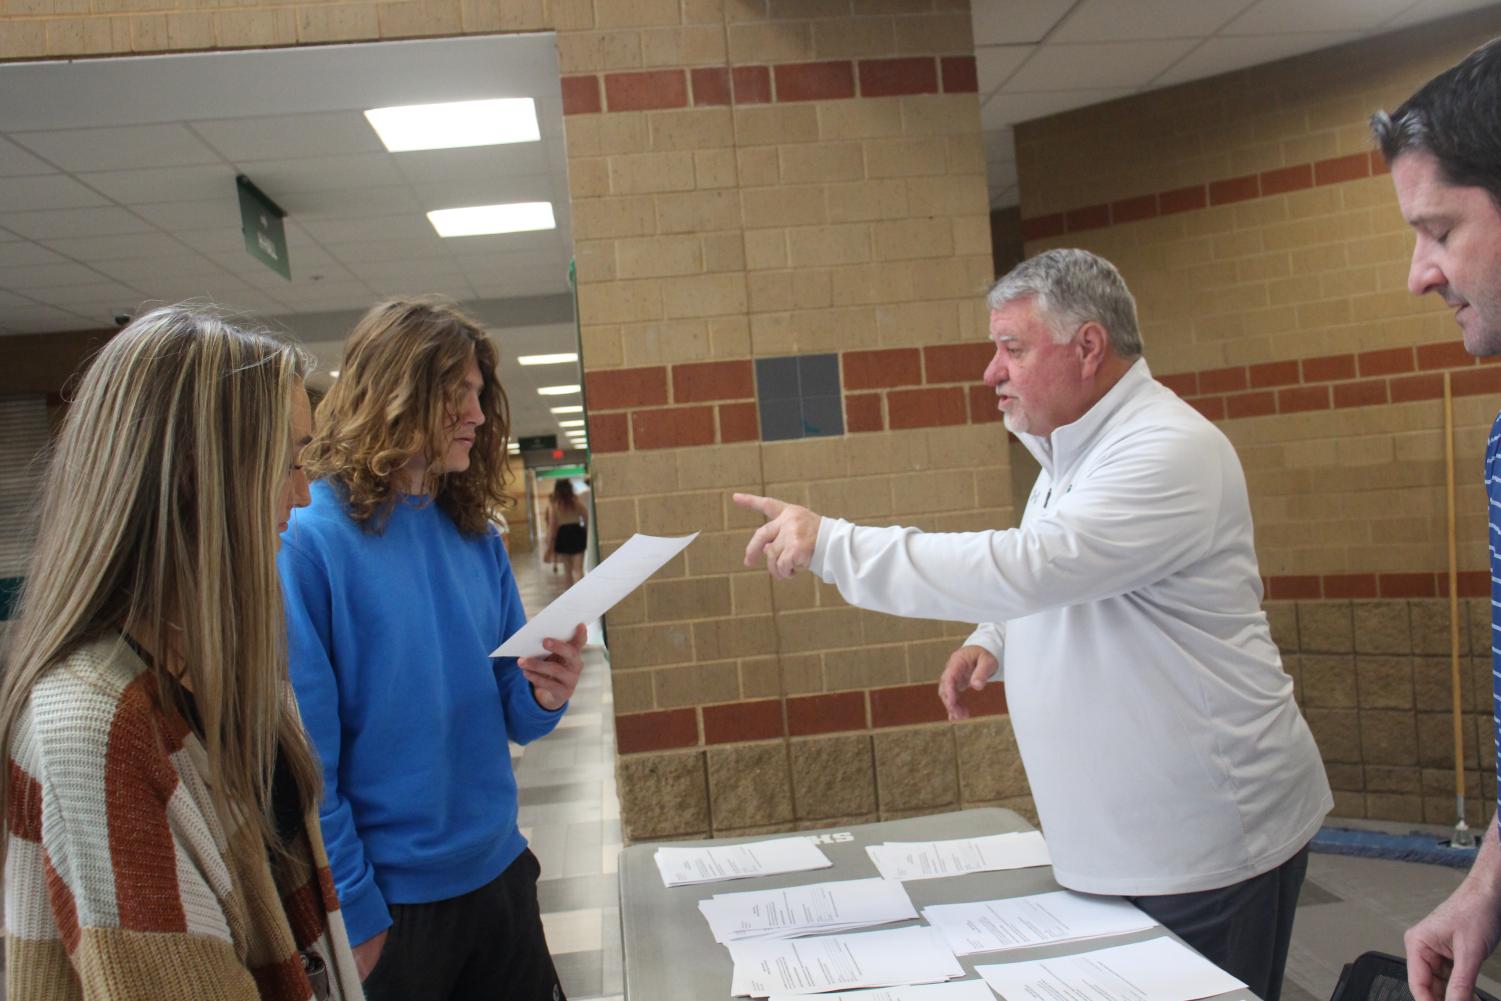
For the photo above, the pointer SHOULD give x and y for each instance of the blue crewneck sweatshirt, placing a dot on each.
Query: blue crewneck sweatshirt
(390, 637)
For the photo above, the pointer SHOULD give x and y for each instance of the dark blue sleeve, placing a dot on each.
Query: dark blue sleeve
(526, 720)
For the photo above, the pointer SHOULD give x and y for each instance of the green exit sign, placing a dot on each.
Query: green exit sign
(260, 220)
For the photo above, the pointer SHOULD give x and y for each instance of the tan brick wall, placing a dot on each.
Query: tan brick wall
(1269, 260)
(749, 178)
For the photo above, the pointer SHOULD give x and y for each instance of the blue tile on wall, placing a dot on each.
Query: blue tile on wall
(822, 415)
(818, 375)
(781, 420)
(776, 378)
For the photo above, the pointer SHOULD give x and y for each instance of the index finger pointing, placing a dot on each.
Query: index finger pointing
(769, 506)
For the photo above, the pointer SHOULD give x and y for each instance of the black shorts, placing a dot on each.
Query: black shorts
(570, 540)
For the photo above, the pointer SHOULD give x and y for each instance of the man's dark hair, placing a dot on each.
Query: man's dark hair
(1456, 117)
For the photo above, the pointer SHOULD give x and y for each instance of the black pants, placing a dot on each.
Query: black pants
(1244, 928)
(487, 945)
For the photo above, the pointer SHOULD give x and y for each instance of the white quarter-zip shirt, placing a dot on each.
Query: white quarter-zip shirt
(1157, 726)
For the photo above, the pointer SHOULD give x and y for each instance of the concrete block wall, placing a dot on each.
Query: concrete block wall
(1263, 240)
(750, 179)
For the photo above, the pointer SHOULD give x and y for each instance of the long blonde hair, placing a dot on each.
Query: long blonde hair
(158, 520)
(401, 380)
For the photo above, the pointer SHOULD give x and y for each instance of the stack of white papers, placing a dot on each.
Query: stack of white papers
(817, 908)
(958, 990)
(1159, 969)
(890, 958)
(1017, 922)
(932, 859)
(709, 864)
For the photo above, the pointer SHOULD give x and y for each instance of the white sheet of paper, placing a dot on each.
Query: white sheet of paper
(1039, 919)
(1159, 969)
(934, 859)
(956, 990)
(888, 958)
(682, 866)
(814, 908)
(598, 591)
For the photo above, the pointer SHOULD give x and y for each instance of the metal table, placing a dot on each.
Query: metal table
(670, 955)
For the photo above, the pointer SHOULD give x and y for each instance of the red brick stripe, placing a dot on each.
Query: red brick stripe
(737, 721)
(826, 713)
(648, 90)
(656, 731)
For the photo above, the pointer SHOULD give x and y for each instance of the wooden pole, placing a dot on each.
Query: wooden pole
(1461, 829)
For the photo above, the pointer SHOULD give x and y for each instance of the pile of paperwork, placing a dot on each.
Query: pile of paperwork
(932, 859)
(1159, 969)
(891, 958)
(958, 990)
(1041, 919)
(816, 908)
(711, 863)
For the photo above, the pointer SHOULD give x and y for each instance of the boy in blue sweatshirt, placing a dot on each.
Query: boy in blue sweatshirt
(397, 589)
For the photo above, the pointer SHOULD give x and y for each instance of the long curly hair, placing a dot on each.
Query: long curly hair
(401, 382)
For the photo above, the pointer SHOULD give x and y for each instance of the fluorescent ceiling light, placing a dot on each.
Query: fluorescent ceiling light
(482, 220)
(546, 359)
(456, 123)
(570, 424)
(556, 390)
(575, 408)
(333, 373)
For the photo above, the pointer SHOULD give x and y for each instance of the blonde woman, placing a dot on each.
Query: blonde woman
(397, 590)
(163, 840)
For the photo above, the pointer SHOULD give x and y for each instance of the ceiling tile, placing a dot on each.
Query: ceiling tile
(23, 253)
(1081, 67)
(1223, 55)
(90, 249)
(1429, 10)
(213, 241)
(351, 203)
(413, 247)
(1005, 198)
(166, 184)
(1122, 20)
(1268, 17)
(57, 223)
(222, 214)
(994, 63)
(70, 296)
(39, 320)
(220, 288)
(1011, 22)
(280, 137)
(278, 178)
(138, 270)
(493, 191)
(49, 191)
(473, 162)
(1000, 145)
(14, 160)
(1008, 109)
(119, 148)
(394, 227)
(39, 276)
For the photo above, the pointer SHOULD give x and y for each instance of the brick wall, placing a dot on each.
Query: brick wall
(751, 179)
(1264, 244)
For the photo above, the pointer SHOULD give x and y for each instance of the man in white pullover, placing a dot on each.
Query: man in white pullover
(1166, 756)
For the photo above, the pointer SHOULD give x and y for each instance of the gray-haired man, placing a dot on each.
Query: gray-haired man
(1444, 148)
(1166, 756)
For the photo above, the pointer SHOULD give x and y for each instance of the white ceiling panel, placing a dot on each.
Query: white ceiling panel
(24, 253)
(221, 214)
(40, 320)
(165, 184)
(119, 148)
(213, 241)
(133, 271)
(351, 203)
(1014, 22)
(283, 137)
(494, 191)
(14, 161)
(48, 191)
(504, 243)
(38, 276)
(57, 223)
(395, 227)
(1092, 66)
(1267, 17)
(278, 178)
(94, 249)
(1007, 109)
(1429, 10)
(414, 246)
(1222, 55)
(438, 166)
(71, 296)
(1121, 20)
(1000, 146)
(995, 63)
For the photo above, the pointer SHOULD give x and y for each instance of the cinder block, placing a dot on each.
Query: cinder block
(833, 776)
(749, 784)
(916, 768)
(663, 795)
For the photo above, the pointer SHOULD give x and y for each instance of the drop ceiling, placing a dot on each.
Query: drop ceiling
(1039, 57)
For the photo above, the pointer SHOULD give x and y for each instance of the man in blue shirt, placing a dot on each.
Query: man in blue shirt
(1444, 149)
(397, 589)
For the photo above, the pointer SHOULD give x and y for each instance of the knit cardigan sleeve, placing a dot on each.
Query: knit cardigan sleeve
(114, 884)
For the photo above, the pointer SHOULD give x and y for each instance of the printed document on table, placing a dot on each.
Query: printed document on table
(890, 958)
(1159, 969)
(598, 591)
(815, 908)
(932, 859)
(710, 863)
(956, 990)
(1040, 919)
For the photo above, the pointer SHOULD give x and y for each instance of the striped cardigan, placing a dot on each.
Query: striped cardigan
(121, 879)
